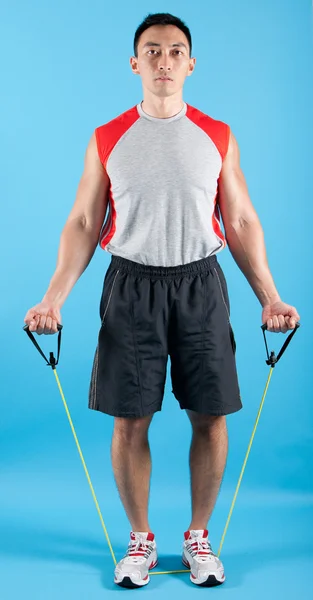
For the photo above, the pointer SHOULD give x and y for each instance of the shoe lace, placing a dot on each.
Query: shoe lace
(139, 548)
(200, 547)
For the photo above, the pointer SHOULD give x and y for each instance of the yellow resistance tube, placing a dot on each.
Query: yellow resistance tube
(95, 498)
(245, 462)
(86, 470)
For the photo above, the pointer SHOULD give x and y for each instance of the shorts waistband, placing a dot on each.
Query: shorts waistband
(197, 266)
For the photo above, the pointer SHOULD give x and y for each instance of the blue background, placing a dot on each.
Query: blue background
(65, 70)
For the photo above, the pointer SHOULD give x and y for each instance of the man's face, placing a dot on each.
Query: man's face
(163, 60)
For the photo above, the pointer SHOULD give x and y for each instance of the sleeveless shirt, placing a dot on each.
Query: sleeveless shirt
(163, 195)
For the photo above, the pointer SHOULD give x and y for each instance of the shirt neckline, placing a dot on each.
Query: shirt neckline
(145, 115)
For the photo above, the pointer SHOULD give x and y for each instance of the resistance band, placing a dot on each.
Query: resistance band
(272, 360)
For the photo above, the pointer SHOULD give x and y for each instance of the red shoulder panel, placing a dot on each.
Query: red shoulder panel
(109, 134)
(218, 131)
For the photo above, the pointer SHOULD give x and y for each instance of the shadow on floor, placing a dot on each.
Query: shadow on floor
(26, 541)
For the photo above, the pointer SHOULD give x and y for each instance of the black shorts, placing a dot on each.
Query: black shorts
(149, 313)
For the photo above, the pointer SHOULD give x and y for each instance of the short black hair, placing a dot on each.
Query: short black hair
(161, 19)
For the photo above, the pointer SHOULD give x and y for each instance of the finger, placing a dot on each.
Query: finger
(30, 320)
(292, 320)
(28, 317)
(287, 322)
(34, 322)
(47, 330)
(282, 324)
(294, 315)
(270, 325)
(276, 324)
(54, 326)
(41, 324)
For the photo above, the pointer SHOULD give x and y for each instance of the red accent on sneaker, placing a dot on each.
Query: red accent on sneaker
(139, 549)
(146, 577)
(187, 534)
(150, 536)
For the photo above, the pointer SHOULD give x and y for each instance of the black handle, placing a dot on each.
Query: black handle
(58, 326)
(264, 327)
(52, 362)
(272, 359)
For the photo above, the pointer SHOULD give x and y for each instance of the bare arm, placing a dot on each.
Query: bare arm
(244, 233)
(78, 242)
(245, 239)
(81, 232)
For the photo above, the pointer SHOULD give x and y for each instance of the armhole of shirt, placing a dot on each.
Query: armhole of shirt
(226, 142)
(99, 147)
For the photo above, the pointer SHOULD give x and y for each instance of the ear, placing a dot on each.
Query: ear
(192, 64)
(134, 65)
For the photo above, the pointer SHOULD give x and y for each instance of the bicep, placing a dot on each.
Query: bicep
(234, 201)
(92, 195)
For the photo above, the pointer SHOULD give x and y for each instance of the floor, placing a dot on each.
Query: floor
(52, 545)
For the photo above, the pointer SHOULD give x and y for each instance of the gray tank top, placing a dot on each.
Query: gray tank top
(163, 199)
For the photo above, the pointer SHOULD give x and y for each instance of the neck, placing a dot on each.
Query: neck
(162, 108)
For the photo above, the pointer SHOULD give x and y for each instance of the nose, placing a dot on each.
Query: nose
(165, 63)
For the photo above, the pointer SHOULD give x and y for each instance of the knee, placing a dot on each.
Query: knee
(208, 425)
(131, 430)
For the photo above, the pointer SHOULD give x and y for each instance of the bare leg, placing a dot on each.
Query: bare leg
(208, 452)
(131, 461)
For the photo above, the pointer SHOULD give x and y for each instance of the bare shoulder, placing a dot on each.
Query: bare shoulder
(92, 195)
(232, 157)
(92, 159)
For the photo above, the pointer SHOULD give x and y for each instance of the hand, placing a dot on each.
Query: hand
(43, 318)
(279, 317)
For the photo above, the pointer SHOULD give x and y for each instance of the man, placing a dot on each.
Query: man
(165, 169)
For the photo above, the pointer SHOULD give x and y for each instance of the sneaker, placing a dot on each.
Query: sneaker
(205, 568)
(133, 570)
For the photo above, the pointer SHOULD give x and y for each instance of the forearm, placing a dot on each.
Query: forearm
(77, 246)
(246, 244)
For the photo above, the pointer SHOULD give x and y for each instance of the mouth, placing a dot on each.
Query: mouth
(164, 79)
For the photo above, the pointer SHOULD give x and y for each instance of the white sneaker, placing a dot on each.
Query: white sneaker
(133, 570)
(205, 568)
